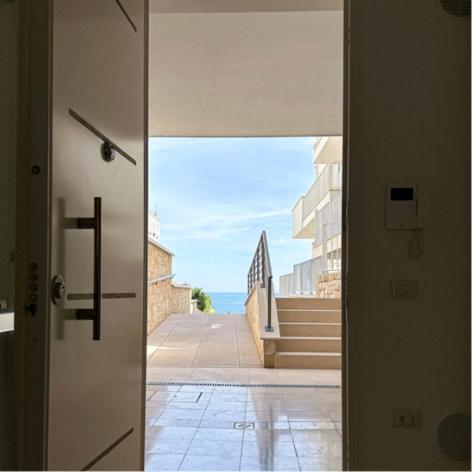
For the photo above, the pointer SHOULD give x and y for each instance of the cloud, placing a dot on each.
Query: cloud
(227, 220)
(210, 234)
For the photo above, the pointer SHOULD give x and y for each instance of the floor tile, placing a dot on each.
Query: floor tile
(323, 448)
(186, 397)
(224, 415)
(295, 425)
(268, 415)
(339, 427)
(180, 413)
(197, 388)
(209, 447)
(269, 463)
(167, 445)
(219, 434)
(268, 449)
(271, 425)
(171, 432)
(163, 462)
(200, 405)
(226, 405)
(278, 435)
(308, 415)
(176, 422)
(316, 436)
(209, 463)
(154, 412)
(315, 463)
(229, 397)
(216, 424)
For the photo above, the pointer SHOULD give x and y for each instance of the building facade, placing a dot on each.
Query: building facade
(317, 217)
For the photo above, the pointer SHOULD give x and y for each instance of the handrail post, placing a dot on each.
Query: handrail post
(269, 326)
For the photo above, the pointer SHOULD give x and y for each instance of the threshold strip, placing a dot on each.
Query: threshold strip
(247, 385)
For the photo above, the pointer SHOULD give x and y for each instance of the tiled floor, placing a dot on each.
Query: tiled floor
(192, 428)
(203, 341)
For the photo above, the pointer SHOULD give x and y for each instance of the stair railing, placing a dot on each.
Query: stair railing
(261, 271)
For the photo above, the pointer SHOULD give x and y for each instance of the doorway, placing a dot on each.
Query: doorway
(88, 127)
(213, 403)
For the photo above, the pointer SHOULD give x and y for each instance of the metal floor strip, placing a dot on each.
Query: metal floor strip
(247, 385)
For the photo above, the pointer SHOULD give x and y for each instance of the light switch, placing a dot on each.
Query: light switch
(404, 289)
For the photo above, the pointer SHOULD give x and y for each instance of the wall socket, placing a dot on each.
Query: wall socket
(407, 419)
(404, 289)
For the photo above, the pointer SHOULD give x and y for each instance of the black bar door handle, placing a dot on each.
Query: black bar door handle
(94, 313)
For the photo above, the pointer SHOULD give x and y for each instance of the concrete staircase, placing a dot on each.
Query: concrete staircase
(310, 333)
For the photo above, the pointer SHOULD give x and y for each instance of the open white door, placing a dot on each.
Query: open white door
(81, 277)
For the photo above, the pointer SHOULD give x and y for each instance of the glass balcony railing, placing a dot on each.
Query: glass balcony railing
(329, 179)
(328, 220)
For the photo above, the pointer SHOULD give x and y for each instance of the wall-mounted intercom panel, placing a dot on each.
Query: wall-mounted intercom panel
(403, 208)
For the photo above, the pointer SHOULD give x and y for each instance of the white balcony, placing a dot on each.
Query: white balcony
(303, 214)
(328, 150)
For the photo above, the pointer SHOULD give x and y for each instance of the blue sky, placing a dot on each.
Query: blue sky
(214, 196)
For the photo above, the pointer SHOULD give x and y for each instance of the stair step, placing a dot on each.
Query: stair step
(308, 316)
(310, 329)
(309, 344)
(308, 360)
(309, 303)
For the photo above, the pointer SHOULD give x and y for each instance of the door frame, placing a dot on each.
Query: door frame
(33, 231)
(349, 359)
(32, 236)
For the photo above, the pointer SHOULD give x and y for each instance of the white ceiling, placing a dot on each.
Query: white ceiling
(246, 74)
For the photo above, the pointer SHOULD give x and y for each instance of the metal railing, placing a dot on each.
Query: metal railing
(261, 271)
(160, 279)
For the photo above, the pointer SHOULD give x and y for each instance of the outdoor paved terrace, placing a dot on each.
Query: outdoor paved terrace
(234, 423)
(203, 340)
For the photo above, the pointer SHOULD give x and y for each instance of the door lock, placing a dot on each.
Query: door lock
(58, 289)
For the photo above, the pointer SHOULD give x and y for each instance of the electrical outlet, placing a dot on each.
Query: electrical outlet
(407, 419)
(404, 289)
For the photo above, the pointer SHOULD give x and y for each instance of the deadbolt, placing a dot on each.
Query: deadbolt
(58, 289)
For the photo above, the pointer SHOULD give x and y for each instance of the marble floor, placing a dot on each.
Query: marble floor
(235, 423)
(207, 428)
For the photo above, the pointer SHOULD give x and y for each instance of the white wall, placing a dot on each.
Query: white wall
(408, 120)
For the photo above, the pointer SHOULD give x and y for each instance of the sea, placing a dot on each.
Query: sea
(228, 302)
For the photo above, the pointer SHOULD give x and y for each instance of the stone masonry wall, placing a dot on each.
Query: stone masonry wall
(159, 303)
(329, 285)
(181, 299)
(164, 298)
(252, 314)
